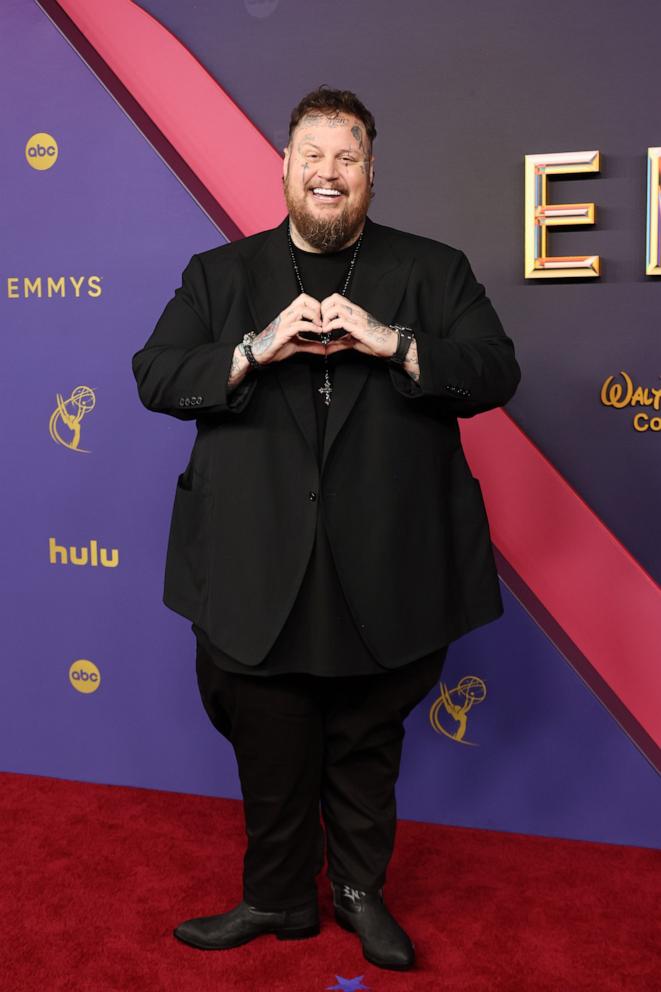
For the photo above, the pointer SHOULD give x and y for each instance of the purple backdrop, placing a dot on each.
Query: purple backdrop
(452, 134)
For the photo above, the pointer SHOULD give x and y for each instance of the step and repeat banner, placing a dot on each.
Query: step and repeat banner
(474, 109)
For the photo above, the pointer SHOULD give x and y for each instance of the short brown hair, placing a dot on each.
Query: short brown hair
(325, 100)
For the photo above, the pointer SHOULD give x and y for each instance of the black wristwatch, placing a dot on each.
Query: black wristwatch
(403, 344)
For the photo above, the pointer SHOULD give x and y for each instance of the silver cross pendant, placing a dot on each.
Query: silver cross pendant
(326, 389)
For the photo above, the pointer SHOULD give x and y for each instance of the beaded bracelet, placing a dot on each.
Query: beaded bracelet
(247, 349)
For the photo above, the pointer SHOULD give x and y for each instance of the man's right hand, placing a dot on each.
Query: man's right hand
(278, 340)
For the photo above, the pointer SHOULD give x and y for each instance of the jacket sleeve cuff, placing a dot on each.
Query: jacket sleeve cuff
(468, 364)
(181, 370)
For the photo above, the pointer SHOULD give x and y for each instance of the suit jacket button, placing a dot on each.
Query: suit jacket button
(187, 401)
(312, 495)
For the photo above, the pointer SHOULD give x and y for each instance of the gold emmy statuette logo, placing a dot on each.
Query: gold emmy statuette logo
(455, 703)
(68, 414)
(84, 676)
(41, 151)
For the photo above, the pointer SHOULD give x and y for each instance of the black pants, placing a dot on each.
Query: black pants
(302, 741)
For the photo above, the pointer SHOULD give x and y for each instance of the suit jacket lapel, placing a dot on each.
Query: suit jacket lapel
(272, 286)
(378, 284)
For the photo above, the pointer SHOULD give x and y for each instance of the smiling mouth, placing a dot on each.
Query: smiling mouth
(326, 194)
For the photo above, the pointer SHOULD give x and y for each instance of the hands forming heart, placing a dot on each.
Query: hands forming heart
(361, 331)
(331, 325)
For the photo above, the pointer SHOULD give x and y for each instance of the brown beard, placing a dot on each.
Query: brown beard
(327, 234)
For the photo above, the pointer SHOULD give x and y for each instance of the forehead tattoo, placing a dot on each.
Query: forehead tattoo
(330, 120)
(325, 120)
(356, 131)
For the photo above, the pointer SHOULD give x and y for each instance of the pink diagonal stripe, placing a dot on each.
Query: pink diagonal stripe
(605, 602)
(227, 152)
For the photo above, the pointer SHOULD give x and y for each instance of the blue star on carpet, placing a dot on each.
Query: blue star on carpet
(348, 984)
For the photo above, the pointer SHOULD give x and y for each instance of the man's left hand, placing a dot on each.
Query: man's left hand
(364, 332)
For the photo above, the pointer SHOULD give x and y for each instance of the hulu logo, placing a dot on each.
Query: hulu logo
(92, 555)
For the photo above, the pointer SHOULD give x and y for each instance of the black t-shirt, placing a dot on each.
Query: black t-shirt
(320, 636)
(322, 274)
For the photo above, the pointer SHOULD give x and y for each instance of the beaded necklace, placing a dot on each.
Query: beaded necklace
(327, 388)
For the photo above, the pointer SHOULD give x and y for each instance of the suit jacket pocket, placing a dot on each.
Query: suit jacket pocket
(473, 553)
(187, 560)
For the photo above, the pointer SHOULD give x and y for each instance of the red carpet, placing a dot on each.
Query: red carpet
(94, 878)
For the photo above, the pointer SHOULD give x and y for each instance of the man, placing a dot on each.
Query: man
(328, 540)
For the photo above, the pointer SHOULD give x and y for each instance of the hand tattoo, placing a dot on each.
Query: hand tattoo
(382, 335)
(264, 340)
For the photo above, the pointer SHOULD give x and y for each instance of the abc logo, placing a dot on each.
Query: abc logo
(84, 676)
(41, 151)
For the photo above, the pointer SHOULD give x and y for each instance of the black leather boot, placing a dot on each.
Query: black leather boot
(384, 942)
(244, 922)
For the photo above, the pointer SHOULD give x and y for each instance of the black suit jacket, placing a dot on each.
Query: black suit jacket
(405, 517)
